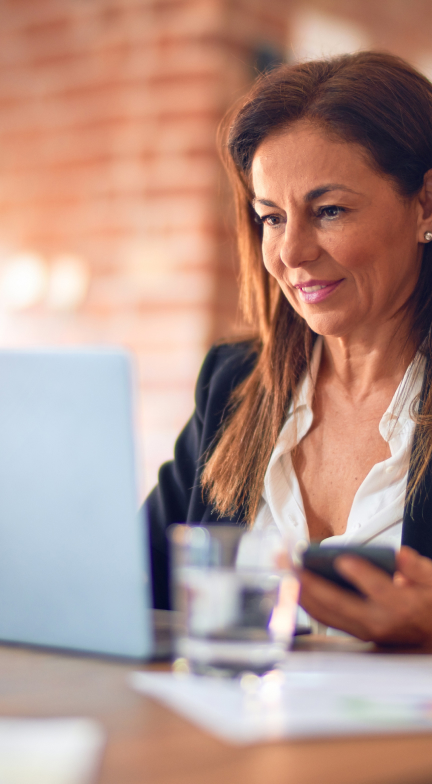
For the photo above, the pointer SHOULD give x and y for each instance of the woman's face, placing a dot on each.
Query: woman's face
(344, 247)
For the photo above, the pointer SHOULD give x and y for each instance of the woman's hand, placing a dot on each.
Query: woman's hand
(395, 611)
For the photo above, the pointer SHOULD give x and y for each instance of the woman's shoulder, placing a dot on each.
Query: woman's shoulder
(225, 366)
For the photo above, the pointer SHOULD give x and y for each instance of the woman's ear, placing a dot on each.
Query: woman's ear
(425, 202)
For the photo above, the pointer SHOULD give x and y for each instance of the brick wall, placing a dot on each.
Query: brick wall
(109, 110)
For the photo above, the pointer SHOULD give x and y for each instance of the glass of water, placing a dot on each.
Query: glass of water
(236, 607)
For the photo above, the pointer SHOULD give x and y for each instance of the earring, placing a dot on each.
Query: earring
(428, 236)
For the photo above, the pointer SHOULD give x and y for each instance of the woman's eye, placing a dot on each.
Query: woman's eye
(269, 220)
(331, 212)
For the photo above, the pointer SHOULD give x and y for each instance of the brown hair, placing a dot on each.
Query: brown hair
(369, 98)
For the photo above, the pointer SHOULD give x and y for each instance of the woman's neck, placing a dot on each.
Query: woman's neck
(361, 366)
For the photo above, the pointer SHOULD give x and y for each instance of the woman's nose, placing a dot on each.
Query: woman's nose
(300, 243)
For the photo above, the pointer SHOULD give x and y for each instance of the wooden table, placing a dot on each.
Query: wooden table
(149, 744)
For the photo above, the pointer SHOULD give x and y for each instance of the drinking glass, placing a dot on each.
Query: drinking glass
(236, 607)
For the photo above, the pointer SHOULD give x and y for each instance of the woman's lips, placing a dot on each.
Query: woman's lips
(316, 290)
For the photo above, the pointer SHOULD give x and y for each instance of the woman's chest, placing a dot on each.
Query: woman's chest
(332, 461)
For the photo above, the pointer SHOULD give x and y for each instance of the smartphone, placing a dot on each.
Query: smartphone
(320, 560)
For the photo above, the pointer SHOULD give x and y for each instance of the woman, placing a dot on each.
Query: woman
(308, 429)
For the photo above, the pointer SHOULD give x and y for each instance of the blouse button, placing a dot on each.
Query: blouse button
(389, 469)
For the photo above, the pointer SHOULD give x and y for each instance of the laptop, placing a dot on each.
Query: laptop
(74, 561)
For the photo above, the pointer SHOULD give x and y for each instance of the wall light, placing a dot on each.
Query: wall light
(68, 283)
(315, 34)
(23, 281)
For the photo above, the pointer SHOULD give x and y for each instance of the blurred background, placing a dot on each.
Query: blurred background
(115, 217)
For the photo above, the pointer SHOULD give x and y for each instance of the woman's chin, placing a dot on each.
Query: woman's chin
(332, 324)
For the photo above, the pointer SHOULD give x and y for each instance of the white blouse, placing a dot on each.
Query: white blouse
(377, 510)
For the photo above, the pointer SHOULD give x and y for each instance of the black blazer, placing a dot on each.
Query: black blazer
(177, 498)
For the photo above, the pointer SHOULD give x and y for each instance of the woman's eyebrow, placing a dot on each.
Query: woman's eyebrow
(317, 192)
(314, 194)
(266, 202)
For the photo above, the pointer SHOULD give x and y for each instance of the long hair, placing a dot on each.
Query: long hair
(371, 99)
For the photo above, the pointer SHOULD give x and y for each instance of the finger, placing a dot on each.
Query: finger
(414, 567)
(371, 580)
(400, 580)
(332, 605)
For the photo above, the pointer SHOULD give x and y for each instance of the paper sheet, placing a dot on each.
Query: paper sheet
(316, 695)
(49, 751)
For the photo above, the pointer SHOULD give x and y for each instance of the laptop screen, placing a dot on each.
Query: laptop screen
(74, 567)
